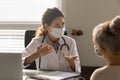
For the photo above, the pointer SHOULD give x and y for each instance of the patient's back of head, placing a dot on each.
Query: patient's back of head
(107, 36)
(106, 39)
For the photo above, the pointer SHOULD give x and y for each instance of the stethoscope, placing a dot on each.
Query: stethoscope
(61, 47)
(65, 44)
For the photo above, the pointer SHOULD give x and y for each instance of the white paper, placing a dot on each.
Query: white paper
(56, 75)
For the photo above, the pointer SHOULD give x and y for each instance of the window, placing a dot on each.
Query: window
(24, 10)
(11, 40)
(16, 16)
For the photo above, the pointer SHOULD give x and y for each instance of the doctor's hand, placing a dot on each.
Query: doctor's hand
(44, 49)
(71, 60)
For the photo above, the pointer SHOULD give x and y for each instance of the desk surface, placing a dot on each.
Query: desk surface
(28, 73)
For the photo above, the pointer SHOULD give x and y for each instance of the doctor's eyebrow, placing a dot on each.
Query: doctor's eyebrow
(58, 25)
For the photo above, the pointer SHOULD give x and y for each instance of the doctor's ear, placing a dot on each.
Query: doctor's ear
(46, 27)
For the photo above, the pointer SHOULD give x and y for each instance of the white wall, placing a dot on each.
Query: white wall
(85, 15)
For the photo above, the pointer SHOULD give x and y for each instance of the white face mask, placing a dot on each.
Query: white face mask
(57, 32)
(64, 29)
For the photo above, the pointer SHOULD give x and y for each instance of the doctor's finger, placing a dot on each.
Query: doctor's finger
(45, 52)
(41, 45)
(44, 46)
(47, 48)
(74, 57)
(64, 54)
(48, 51)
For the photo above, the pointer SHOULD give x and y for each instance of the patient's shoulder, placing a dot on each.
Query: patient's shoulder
(98, 74)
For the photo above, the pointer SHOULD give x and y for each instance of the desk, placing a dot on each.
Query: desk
(28, 73)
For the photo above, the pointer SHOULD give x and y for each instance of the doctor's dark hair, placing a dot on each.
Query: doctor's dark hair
(107, 36)
(49, 15)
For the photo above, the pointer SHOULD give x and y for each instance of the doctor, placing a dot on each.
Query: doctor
(50, 48)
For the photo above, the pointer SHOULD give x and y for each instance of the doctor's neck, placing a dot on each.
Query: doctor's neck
(52, 38)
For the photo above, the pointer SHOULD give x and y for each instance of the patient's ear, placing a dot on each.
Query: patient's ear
(97, 51)
(101, 52)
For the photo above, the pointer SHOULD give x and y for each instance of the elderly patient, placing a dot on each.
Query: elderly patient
(106, 39)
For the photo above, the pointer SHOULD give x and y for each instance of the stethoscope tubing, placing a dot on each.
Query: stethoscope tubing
(65, 44)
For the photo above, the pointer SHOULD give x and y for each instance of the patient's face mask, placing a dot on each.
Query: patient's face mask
(57, 32)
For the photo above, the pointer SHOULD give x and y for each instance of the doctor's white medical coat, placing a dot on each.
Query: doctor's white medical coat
(53, 60)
